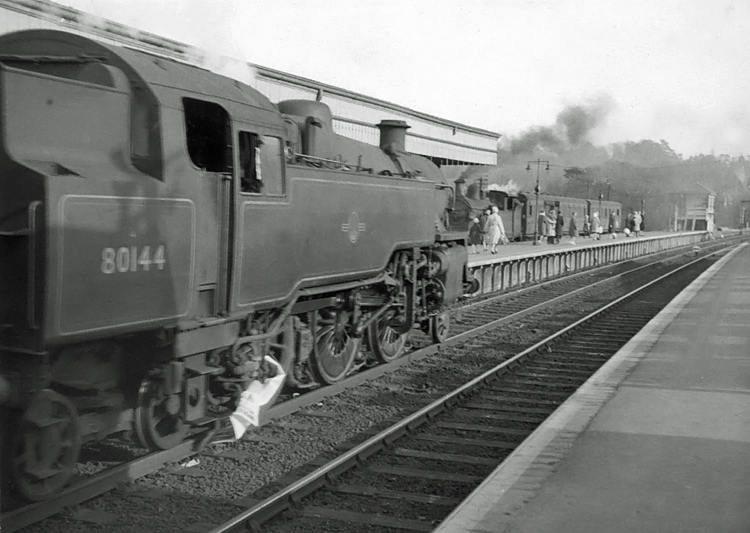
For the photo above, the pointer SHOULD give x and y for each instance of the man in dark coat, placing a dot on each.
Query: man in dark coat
(559, 227)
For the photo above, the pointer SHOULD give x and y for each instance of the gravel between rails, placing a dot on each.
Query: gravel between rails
(174, 500)
(170, 502)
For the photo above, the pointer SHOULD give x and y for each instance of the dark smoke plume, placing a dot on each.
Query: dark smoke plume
(572, 128)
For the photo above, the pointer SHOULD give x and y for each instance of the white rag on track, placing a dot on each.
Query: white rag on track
(253, 398)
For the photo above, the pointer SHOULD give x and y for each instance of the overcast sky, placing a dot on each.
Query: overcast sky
(677, 70)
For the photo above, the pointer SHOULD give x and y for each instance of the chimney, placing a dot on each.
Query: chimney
(393, 135)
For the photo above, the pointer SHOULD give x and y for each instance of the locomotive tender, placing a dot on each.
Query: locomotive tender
(164, 228)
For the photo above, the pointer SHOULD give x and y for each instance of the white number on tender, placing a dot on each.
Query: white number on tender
(126, 259)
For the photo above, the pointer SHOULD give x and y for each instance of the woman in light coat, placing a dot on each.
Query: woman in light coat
(596, 226)
(495, 229)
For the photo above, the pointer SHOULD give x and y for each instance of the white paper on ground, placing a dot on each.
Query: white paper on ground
(255, 396)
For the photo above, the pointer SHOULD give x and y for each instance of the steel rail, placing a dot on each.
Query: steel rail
(293, 494)
(95, 486)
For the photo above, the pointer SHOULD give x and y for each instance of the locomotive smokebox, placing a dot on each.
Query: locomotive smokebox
(393, 135)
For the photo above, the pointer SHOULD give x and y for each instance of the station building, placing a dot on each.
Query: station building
(694, 209)
(445, 142)
(745, 212)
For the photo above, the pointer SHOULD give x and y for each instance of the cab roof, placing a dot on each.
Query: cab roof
(167, 80)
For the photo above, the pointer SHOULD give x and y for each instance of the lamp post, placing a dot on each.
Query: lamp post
(643, 202)
(538, 163)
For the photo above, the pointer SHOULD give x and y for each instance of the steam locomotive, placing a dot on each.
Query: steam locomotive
(163, 229)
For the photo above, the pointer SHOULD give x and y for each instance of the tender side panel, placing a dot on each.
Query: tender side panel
(335, 228)
(123, 261)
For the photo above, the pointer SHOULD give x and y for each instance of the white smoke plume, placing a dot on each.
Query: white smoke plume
(511, 187)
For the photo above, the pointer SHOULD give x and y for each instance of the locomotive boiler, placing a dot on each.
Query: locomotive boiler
(163, 229)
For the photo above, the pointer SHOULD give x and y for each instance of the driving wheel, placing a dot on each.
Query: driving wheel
(44, 446)
(159, 424)
(334, 347)
(439, 327)
(385, 343)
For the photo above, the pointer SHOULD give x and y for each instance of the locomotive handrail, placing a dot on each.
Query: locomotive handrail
(312, 158)
(83, 58)
(15, 233)
(30, 305)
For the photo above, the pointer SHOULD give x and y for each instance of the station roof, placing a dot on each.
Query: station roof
(338, 91)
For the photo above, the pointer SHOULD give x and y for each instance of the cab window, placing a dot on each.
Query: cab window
(145, 137)
(261, 167)
(207, 127)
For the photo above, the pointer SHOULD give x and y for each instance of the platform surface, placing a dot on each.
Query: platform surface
(526, 248)
(657, 441)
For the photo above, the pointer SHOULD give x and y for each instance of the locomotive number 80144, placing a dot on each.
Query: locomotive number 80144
(164, 230)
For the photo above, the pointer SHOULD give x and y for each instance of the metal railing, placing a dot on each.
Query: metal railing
(499, 274)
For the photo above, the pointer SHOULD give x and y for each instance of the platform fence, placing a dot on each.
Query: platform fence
(498, 274)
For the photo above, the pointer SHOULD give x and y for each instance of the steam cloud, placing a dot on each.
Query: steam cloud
(572, 127)
(511, 187)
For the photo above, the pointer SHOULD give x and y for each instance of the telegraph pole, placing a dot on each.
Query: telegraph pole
(538, 164)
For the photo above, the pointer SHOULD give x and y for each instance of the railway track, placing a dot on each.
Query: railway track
(475, 318)
(412, 474)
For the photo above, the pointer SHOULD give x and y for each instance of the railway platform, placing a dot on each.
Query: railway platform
(657, 440)
(517, 250)
(517, 264)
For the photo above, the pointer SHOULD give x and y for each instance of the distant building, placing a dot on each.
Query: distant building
(694, 209)
(745, 212)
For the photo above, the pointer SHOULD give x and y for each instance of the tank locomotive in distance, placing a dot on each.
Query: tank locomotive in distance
(164, 228)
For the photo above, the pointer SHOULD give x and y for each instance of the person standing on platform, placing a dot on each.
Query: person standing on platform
(596, 226)
(586, 226)
(476, 235)
(637, 223)
(483, 225)
(551, 220)
(541, 221)
(559, 227)
(495, 229)
(573, 228)
(643, 221)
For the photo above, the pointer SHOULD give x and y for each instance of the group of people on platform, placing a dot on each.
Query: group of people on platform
(487, 230)
(552, 226)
